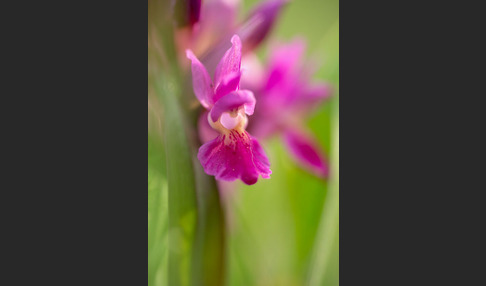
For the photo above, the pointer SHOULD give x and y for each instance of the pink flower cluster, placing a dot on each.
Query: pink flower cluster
(277, 97)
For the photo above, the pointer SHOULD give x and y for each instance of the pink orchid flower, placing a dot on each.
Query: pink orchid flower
(233, 153)
(285, 98)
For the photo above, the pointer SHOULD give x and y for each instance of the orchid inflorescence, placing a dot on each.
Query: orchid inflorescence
(266, 99)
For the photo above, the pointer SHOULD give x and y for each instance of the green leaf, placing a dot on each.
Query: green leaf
(181, 184)
(157, 214)
(324, 267)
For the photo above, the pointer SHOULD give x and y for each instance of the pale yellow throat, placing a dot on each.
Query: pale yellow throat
(235, 119)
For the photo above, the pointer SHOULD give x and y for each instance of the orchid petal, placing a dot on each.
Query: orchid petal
(314, 94)
(259, 23)
(200, 80)
(260, 159)
(288, 55)
(305, 151)
(309, 97)
(231, 61)
(228, 84)
(236, 155)
(233, 101)
(283, 63)
(252, 72)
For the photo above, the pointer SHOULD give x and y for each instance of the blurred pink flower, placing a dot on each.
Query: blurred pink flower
(233, 153)
(259, 23)
(285, 98)
(209, 38)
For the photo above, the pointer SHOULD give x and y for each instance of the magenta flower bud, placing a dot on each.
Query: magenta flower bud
(233, 153)
(186, 12)
(259, 23)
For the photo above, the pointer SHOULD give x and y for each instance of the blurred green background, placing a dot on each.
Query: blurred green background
(285, 230)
